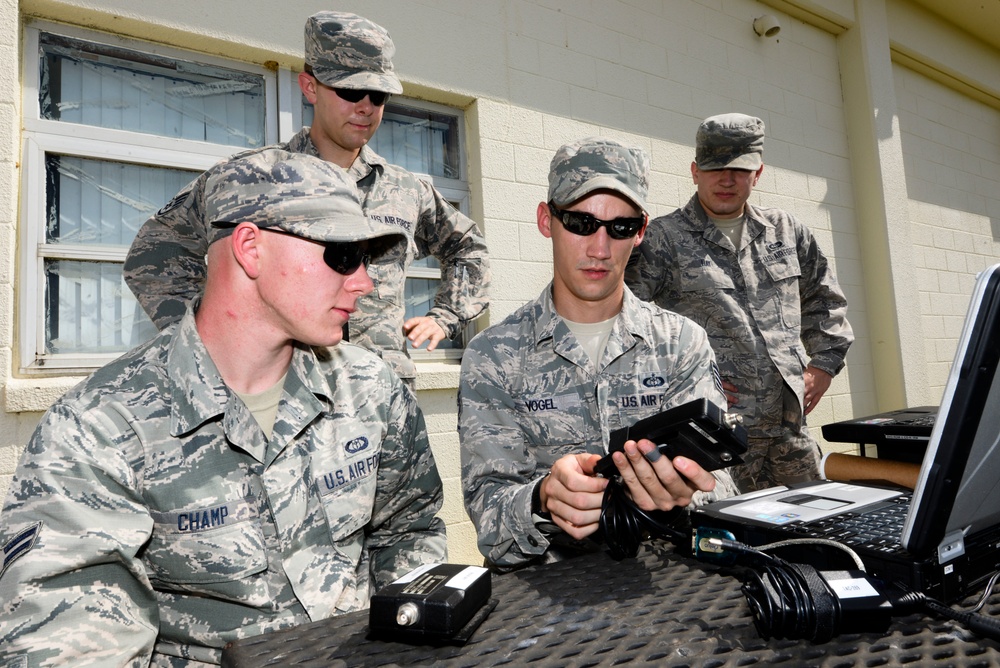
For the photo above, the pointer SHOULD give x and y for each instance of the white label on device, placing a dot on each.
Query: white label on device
(412, 575)
(466, 577)
(853, 588)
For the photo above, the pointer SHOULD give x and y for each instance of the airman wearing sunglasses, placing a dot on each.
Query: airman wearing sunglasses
(349, 77)
(541, 390)
(756, 279)
(240, 473)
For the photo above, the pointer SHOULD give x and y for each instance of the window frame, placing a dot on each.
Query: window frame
(455, 191)
(282, 119)
(42, 136)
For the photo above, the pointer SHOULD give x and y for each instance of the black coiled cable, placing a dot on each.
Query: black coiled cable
(790, 601)
(624, 525)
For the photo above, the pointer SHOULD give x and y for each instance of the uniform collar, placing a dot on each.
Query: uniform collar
(631, 322)
(627, 328)
(302, 143)
(198, 393)
(696, 220)
(366, 162)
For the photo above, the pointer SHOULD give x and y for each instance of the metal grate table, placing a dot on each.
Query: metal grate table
(659, 608)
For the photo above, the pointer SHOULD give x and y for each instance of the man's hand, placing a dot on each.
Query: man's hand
(662, 484)
(423, 328)
(817, 383)
(572, 494)
(732, 393)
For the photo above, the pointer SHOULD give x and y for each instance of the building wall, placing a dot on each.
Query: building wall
(15, 427)
(533, 74)
(951, 150)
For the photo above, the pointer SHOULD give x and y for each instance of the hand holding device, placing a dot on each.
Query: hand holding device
(698, 430)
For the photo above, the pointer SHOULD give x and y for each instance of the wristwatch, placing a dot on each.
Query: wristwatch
(542, 520)
(536, 497)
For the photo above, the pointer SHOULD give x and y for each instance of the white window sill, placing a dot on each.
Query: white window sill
(438, 375)
(28, 395)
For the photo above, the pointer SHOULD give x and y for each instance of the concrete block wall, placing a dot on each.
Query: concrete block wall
(15, 426)
(674, 64)
(952, 155)
(439, 413)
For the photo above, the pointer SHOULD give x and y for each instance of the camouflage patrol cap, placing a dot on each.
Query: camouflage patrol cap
(349, 51)
(730, 141)
(594, 163)
(293, 192)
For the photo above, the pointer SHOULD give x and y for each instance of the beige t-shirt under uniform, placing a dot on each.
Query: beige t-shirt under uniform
(732, 228)
(264, 405)
(593, 336)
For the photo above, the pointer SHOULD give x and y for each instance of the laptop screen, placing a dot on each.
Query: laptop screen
(958, 490)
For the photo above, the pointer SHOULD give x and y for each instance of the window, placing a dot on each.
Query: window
(425, 139)
(113, 129)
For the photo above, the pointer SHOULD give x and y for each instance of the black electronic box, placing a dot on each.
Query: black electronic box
(432, 604)
(698, 430)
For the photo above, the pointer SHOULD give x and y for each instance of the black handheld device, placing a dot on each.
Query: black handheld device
(433, 604)
(698, 430)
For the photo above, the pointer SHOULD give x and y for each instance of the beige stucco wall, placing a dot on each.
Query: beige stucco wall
(532, 74)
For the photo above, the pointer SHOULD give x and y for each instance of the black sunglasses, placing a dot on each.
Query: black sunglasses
(377, 97)
(585, 224)
(344, 257)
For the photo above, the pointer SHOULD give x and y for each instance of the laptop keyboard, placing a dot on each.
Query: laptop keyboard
(878, 528)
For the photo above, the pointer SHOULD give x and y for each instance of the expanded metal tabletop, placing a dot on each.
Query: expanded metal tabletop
(659, 608)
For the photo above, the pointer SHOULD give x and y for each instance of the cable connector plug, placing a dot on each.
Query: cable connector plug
(715, 546)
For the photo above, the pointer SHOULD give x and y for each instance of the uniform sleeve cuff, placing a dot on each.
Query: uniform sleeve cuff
(831, 366)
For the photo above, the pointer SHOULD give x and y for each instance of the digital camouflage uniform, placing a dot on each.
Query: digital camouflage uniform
(770, 309)
(529, 394)
(155, 502)
(151, 519)
(165, 267)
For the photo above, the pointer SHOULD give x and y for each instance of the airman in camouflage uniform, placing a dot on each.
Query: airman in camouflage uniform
(538, 400)
(165, 268)
(156, 516)
(765, 293)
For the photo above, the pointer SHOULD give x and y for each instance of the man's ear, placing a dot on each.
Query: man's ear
(642, 232)
(245, 244)
(544, 217)
(307, 83)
